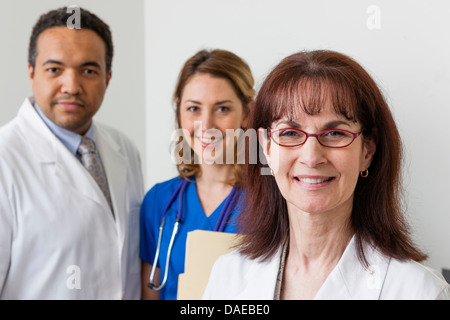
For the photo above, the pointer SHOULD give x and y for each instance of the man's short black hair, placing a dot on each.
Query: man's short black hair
(58, 18)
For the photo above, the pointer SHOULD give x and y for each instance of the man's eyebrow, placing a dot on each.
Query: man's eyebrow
(85, 64)
(50, 61)
(92, 64)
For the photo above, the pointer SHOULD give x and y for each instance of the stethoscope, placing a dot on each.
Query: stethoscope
(220, 226)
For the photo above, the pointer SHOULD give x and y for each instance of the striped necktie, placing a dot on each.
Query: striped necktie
(91, 161)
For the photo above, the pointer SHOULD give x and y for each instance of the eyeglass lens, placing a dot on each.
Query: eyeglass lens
(329, 138)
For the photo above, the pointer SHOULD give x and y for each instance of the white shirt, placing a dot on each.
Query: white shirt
(236, 277)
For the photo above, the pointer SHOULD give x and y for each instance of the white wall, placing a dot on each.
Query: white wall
(124, 103)
(408, 55)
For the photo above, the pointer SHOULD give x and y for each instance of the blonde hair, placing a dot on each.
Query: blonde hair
(222, 64)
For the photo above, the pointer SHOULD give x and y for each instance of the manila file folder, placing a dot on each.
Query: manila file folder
(202, 250)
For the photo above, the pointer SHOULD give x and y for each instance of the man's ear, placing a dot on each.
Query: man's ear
(31, 72)
(108, 77)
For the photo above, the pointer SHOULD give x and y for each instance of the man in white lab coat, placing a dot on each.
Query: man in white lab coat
(63, 234)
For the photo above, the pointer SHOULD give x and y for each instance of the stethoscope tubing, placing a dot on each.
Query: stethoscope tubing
(220, 226)
(223, 218)
(178, 191)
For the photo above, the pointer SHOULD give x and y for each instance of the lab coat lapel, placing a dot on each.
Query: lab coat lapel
(260, 279)
(52, 152)
(41, 140)
(350, 280)
(115, 165)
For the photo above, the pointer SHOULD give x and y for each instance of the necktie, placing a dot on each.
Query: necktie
(91, 161)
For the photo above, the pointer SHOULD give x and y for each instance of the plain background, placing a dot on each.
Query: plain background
(404, 44)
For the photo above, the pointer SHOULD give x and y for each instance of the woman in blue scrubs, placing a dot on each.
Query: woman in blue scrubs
(213, 98)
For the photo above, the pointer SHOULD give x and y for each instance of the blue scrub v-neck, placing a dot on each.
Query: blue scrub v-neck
(193, 218)
(193, 194)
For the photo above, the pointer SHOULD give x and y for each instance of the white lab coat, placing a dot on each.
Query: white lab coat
(237, 277)
(58, 236)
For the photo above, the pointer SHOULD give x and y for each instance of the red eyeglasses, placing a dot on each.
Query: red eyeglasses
(333, 138)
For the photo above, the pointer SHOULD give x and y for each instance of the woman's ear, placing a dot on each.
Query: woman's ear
(246, 114)
(368, 153)
(264, 141)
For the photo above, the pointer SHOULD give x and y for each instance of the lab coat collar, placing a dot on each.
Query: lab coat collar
(56, 159)
(348, 280)
(54, 155)
(260, 279)
(115, 165)
(70, 139)
(41, 140)
(351, 280)
(48, 149)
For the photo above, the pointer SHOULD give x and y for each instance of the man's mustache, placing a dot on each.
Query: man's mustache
(66, 98)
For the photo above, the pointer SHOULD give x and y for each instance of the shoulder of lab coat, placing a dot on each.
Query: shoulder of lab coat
(27, 141)
(414, 281)
(235, 276)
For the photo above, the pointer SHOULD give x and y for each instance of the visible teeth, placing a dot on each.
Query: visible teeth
(310, 180)
(206, 140)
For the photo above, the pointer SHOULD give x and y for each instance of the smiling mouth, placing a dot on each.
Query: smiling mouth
(313, 180)
(209, 140)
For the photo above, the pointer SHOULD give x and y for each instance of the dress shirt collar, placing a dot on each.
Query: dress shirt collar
(70, 139)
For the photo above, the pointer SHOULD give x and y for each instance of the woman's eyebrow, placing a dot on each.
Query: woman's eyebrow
(223, 101)
(216, 103)
(327, 126)
(290, 123)
(192, 101)
(336, 123)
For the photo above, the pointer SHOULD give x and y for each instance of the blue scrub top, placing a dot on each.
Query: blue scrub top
(193, 218)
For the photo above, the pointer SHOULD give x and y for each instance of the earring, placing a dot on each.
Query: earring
(271, 172)
(364, 173)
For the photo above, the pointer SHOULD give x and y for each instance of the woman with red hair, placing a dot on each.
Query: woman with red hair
(328, 222)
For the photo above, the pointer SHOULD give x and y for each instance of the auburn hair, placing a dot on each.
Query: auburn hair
(303, 82)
